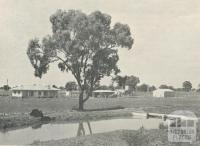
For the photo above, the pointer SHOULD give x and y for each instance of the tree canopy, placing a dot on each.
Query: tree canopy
(163, 86)
(120, 80)
(187, 86)
(85, 45)
(5, 87)
(130, 81)
(143, 88)
(71, 86)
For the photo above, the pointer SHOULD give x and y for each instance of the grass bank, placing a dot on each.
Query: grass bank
(140, 137)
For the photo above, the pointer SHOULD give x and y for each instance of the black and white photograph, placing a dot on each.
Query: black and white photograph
(100, 72)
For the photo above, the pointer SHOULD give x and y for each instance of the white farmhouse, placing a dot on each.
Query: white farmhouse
(34, 91)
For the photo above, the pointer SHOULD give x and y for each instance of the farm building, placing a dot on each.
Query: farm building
(34, 91)
(103, 93)
(163, 93)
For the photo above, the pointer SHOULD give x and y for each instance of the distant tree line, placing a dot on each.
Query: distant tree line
(132, 83)
(5, 87)
(186, 86)
(146, 88)
(163, 86)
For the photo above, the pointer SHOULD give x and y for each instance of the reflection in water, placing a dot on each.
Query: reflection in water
(67, 130)
(89, 127)
(81, 129)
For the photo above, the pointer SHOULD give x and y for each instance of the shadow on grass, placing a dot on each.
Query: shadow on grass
(100, 109)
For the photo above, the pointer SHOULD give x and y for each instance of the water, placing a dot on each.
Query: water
(67, 130)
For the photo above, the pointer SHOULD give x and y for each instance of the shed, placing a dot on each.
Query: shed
(103, 93)
(163, 93)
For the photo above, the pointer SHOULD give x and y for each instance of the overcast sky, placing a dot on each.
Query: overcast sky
(166, 33)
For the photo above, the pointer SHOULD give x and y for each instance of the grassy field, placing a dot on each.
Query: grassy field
(148, 104)
(141, 137)
(61, 109)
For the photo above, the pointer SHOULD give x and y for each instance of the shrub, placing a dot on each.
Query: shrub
(36, 113)
(45, 119)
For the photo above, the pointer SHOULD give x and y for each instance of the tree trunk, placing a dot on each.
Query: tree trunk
(81, 107)
(90, 91)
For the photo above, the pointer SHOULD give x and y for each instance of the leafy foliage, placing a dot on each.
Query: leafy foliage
(146, 88)
(36, 113)
(71, 86)
(130, 81)
(187, 86)
(120, 80)
(152, 88)
(85, 45)
(5, 87)
(143, 88)
(166, 87)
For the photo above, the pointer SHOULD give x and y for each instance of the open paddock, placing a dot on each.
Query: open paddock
(148, 104)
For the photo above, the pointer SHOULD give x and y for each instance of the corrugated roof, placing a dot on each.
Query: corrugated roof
(34, 87)
(103, 91)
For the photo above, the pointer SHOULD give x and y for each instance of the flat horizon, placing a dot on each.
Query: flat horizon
(166, 34)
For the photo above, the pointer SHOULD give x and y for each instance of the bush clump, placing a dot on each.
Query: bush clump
(45, 119)
(36, 113)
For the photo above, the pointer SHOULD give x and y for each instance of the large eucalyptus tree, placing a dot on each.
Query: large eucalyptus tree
(85, 45)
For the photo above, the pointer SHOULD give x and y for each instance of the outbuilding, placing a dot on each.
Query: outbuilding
(103, 93)
(34, 91)
(163, 93)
